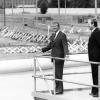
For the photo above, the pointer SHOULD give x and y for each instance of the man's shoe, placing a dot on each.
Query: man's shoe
(95, 95)
(57, 92)
(91, 93)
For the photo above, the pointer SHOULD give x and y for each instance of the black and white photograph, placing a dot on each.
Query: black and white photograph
(49, 49)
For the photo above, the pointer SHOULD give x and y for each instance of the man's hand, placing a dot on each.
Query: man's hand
(39, 49)
(67, 56)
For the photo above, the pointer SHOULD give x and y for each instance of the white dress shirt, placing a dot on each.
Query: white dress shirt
(56, 34)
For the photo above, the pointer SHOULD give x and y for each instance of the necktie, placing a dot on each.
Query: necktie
(54, 36)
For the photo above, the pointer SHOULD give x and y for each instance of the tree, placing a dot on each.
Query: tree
(83, 3)
(54, 3)
(43, 5)
(98, 4)
(62, 3)
(75, 3)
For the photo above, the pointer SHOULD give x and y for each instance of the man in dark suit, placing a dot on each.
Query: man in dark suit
(59, 48)
(94, 53)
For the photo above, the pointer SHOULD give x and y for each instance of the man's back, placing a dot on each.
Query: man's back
(94, 45)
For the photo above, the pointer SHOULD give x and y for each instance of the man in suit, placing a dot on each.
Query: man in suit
(59, 48)
(94, 53)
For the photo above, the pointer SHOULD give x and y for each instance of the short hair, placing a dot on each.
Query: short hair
(57, 24)
(94, 22)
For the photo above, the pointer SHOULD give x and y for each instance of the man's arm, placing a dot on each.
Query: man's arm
(48, 47)
(65, 45)
(97, 37)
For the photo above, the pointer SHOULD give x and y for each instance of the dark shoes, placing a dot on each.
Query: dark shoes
(57, 92)
(94, 95)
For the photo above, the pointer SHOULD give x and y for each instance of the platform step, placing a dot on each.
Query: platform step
(43, 96)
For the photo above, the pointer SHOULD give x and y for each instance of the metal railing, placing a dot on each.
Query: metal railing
(53, 79)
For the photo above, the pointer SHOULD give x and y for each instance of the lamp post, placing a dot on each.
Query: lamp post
(65, 7)
(36, 22)
(23, 14)
(36, 7)
(12, 7)
(12, 12)
(96, 9)
(4, 15)
(59, 7)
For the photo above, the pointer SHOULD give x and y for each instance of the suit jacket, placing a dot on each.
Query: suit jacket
(94, 46)
(58, 46)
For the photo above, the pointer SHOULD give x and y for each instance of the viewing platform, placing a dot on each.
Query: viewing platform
(16, 82)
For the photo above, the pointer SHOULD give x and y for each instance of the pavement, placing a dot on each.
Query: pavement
(17, 83)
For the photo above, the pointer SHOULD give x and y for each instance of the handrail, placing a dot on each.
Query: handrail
(66, 59)
(65, 81)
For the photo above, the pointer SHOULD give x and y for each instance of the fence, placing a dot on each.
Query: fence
(20, 12)
(28, 25)
(21, 16)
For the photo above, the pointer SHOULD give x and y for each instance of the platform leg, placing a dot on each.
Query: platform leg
(34, 74)
(54, 85)
(99, 80)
